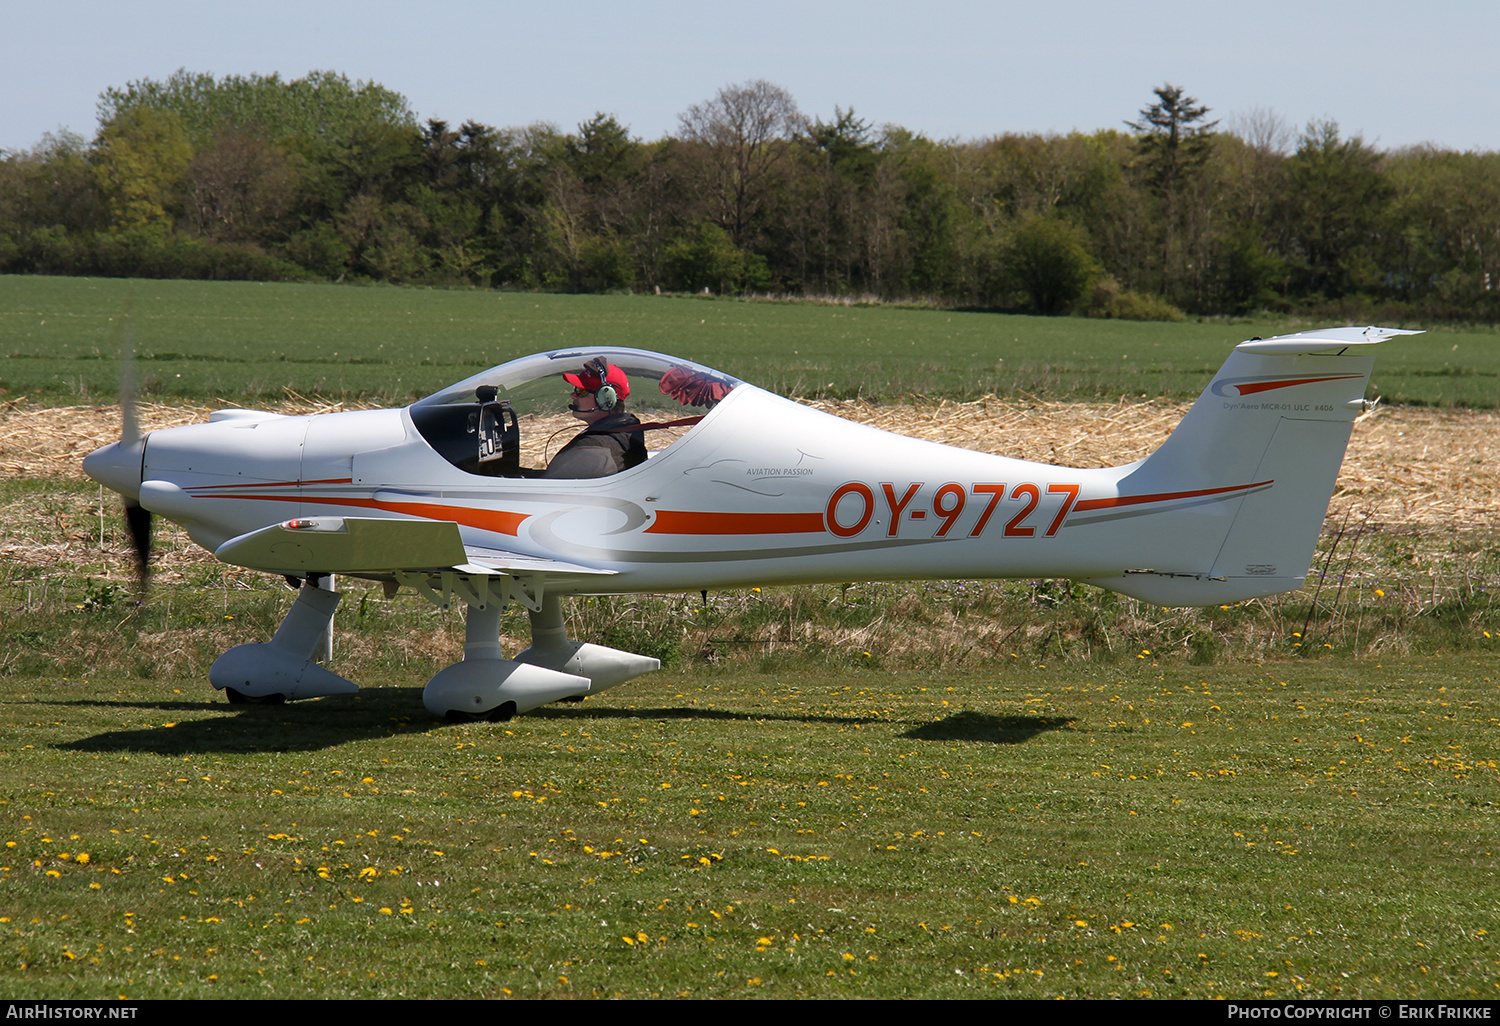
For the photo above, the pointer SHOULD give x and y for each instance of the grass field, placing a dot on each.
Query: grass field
(956, 790)
(1316, 830)
(250, 341)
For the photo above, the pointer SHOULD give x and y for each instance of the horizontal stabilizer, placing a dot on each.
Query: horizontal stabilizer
(1321, 341)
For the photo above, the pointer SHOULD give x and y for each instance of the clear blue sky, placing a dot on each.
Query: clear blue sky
(1400, 74)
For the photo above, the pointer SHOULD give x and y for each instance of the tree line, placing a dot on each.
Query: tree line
(321, 178)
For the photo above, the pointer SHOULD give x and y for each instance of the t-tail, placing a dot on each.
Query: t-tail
(1243, 483)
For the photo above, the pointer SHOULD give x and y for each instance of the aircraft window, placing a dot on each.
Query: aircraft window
(514, 418)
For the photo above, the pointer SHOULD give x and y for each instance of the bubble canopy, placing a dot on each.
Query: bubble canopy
(476, 423)
(534, 384)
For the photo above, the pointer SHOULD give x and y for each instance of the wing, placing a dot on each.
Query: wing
(371, 545)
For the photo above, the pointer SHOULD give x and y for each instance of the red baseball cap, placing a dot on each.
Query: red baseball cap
(590, 381)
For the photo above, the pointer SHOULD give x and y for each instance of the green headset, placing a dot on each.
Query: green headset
(606, 396)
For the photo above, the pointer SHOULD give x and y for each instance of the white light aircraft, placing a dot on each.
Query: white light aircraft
(757, 490)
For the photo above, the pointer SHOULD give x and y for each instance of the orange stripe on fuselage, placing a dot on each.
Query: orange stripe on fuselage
(670, 521)
(675, 521)
(499, 521)
(1135, 500)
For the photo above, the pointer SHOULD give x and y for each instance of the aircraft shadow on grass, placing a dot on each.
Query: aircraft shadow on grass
(385, 712)
(998, 730)
(374, 712)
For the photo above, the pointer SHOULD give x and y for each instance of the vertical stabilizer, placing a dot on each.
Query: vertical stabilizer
(1270, 428)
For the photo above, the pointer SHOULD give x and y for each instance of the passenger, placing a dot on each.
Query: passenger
(612, 440)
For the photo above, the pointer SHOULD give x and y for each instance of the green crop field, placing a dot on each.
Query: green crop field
(250, 341)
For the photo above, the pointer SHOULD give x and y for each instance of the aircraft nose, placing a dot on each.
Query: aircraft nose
(117, 466)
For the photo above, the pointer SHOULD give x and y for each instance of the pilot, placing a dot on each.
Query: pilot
(612, 440)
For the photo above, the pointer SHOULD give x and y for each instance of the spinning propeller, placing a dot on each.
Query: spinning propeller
(137, 517)
(118, 466)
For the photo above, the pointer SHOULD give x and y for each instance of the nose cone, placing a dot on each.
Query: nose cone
(117, 466)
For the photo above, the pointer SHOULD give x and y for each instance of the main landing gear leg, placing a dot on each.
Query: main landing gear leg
(604, 667)
(486, 686)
